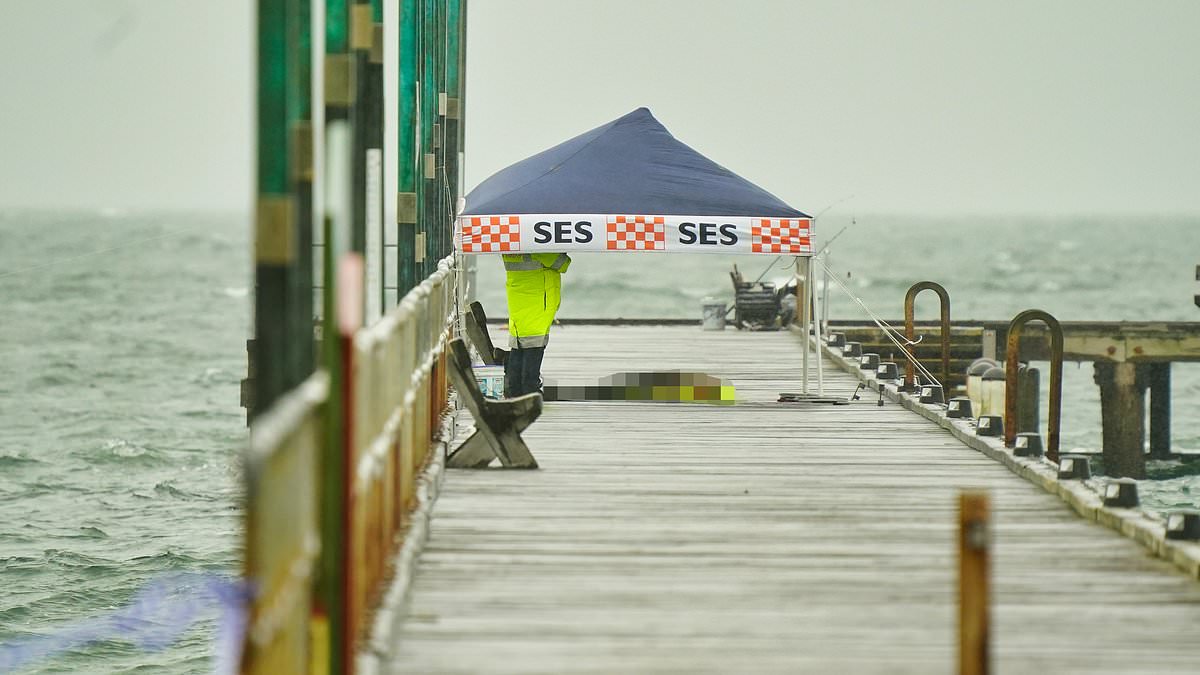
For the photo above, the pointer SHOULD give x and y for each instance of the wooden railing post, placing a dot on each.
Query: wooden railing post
(974, 544)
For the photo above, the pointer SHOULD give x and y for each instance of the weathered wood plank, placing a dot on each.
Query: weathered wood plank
(763, 538)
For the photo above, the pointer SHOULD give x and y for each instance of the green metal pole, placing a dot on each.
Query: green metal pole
(339, 95)
(299, 96)
(407, 152)
(454, 65)
(275, 212)
(429, 91)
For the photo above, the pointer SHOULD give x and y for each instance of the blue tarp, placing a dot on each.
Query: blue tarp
(631, 165)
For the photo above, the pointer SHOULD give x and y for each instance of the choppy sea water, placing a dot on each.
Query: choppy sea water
(124, 337)
(124, 343)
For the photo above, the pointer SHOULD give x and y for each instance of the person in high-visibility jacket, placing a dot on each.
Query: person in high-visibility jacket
(533, 287)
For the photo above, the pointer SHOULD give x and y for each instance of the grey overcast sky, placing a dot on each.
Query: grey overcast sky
(915, 107)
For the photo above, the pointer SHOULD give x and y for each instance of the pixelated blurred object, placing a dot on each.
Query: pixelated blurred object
(670, 386)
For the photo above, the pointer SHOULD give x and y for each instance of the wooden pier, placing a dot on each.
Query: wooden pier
(761, 537)
(656, 537)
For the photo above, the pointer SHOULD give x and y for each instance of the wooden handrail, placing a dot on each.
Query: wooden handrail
(282, 531)
(333, 467)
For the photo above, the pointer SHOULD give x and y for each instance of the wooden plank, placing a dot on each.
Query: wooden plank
(760, 537)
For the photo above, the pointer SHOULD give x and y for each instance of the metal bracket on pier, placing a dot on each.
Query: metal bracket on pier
(498, 424)
(475, 325)
(910, 299)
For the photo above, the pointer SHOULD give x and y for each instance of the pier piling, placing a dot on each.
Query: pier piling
(1158, 377)
(1123, 418)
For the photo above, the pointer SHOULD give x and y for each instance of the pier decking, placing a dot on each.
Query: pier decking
(762, 537)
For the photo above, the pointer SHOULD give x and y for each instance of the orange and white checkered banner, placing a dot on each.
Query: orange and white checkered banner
(533, 233)
(636, 233)
(489, 234)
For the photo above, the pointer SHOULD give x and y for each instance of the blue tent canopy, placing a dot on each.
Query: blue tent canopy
(634, 183)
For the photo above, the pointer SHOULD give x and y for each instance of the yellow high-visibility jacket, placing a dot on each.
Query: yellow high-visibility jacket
(534, 290)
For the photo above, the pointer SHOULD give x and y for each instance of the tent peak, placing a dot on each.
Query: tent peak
(630, 165)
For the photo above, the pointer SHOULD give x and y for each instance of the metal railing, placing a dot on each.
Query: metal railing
(331, 476)
(1012, 359)
(398, 378)
(910, 299)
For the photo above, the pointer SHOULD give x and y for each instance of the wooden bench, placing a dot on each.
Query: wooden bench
(475, 325)
(498, 423)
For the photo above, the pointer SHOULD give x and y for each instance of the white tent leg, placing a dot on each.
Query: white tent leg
(802, 301)
(817, 332)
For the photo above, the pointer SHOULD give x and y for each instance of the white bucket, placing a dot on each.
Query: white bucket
(714, 314)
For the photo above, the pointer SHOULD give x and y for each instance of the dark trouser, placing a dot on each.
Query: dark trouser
(523, 371)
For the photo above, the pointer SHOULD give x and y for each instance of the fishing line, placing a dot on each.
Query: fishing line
(888, 330)
(92, 253)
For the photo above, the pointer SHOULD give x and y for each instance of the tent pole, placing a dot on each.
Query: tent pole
(802, 301)
(817, 331)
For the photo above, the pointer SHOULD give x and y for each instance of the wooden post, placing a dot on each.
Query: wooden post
(1158, 376)
(1122, 413)
(974, 543)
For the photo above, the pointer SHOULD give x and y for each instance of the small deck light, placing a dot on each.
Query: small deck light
(852, 350)
(836, 340)
(959, 407)
(887, 371)
(1121, 492)
(1183, 524)
(869, 362)
(989, 425)
(1074, 467)
(932, 393)
(1028, 444)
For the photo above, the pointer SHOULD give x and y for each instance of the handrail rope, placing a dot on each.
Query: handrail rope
(888, 329)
